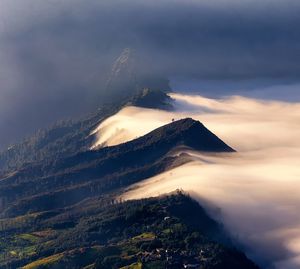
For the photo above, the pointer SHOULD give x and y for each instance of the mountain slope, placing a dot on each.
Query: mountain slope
(69, 180)
(66, 212)
(165, 232)
(69, 137)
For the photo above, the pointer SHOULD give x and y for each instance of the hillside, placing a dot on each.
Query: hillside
(86, 174)
(165, 232)
(68, 137)
(63, 209)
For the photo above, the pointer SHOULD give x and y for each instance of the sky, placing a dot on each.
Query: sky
(254, 192)
(56, 55)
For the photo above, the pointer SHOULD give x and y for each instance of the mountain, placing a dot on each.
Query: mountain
(68, 137)
(71, 179)
(62, 208)
(151, 98)
(185, 132)
(166, 232)
(129, 76)
(123, 71)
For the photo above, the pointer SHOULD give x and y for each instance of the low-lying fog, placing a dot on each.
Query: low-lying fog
(256, 189)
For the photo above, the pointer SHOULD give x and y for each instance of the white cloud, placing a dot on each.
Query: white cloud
(257, 189)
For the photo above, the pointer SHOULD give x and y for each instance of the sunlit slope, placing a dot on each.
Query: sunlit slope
(100, 233)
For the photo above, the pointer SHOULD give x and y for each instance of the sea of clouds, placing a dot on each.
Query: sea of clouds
(256, 189)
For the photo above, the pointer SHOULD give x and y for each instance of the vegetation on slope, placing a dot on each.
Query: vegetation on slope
(55, 182)
(169, 231)
(72, 136)
(58, 205)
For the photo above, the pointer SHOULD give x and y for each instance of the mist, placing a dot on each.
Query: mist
(266, 89)
(56, 55)
(255, 190)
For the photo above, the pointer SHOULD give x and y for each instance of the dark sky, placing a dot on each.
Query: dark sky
(56, 54)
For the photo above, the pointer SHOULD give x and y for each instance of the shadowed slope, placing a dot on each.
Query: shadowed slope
(57, 183)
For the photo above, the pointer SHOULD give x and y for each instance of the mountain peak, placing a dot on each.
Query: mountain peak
(71, 179)
(185, 132)
(185, 123)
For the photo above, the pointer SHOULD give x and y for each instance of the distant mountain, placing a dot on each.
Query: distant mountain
(123, 73)
(129, 76)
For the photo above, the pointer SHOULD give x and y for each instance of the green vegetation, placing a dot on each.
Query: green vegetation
(60, 140)
(28, 237)
(136, 265)
(150, 233)
(60, 205)
(53, 184)
(69, 137)
(144, 237)
(44, 262)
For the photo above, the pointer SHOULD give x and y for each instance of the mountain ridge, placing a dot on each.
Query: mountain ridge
(120, 165)
(68, 137)
(66, 212)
